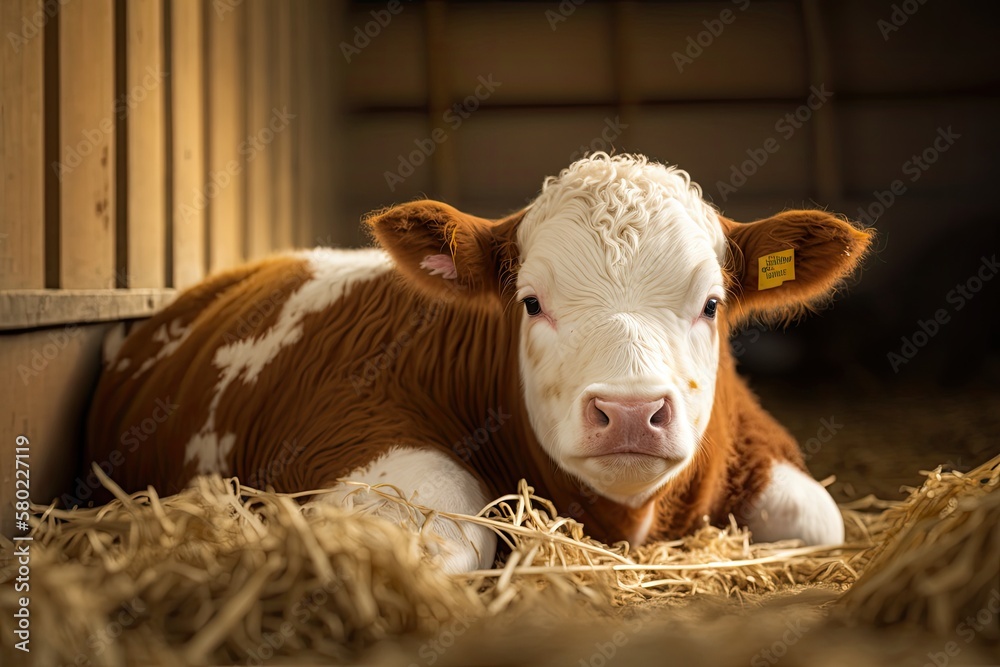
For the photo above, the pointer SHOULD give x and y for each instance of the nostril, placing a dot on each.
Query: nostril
(597, 416)
(662, 416)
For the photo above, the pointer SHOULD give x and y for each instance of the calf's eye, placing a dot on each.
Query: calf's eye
(710, 307)
(532, 306)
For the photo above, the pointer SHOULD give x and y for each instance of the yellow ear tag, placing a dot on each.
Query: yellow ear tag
(776, 268)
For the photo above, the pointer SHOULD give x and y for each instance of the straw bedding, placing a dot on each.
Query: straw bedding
(225, 574)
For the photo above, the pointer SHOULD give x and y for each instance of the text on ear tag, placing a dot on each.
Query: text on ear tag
(776, 268)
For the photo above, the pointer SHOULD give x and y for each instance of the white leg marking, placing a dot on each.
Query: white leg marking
(795, 506)
(637, 536)
(430, 478)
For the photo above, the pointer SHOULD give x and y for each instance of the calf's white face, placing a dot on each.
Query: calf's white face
(618, 298)
(618, 285)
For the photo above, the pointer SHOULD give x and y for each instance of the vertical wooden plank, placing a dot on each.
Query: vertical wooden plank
(225, 186)
(22, 167)
(444, 163)
(260, 31)
(826, 144)
(146, 144)
(187, 54)
(323, 130)
(307, 73)
(285, 130)
(86, 168)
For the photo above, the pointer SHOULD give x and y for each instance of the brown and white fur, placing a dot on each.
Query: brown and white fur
(580, 344)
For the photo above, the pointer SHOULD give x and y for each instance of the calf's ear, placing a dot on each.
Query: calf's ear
(441, 250)
(781, 265)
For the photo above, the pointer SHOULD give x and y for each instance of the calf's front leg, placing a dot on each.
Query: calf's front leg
(793, 505)
(430, 478)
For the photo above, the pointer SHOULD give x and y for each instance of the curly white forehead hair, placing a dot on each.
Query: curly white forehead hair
(618, 196)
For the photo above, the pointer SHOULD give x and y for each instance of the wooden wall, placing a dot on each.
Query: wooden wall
(145, 144)
(148, 142)
(566, 76)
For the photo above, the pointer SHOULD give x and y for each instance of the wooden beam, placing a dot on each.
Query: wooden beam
(29, 309)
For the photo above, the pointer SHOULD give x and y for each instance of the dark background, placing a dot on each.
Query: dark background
(653, 78)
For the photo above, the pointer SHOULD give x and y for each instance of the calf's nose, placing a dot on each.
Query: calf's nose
(628, 416)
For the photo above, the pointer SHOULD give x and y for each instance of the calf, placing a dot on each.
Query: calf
(580, 343)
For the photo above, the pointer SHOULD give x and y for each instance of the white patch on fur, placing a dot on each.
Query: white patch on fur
(440, 265)
(795, 506)
(623, 254)
(172, 337)
(211, 452)
(637, 536)
(123, 364)
(334, 274)
(433, 479)
(112, 343)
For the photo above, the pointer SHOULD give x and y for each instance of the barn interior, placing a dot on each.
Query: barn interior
(146, 144)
